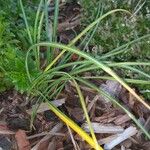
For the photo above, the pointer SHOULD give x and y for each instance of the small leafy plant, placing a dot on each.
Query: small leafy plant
(12, 60)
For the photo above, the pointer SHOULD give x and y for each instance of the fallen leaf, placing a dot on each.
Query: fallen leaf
(21, 139)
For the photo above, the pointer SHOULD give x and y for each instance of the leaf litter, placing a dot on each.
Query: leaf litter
(110, 123)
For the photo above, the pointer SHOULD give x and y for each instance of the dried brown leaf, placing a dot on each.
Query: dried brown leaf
(21, 139)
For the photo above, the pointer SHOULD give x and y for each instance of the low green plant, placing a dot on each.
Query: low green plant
(49, 74)
(13, 43)
(12, 68)
(114, 32)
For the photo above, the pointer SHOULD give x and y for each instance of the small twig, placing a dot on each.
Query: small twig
(56, 128)
(72, 139)
(8, 132)
(43, 134)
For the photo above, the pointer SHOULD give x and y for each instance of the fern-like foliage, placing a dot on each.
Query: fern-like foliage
(12, 61)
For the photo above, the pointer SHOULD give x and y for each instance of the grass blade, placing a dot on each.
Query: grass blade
(117, 103)
(94, 61)
(84, 32)
(35, 38)
(71, 124)
(123, 48)
(26, 22)
(134, 81)
(84, 109)
(36, 20)
(55, 21)
(48, 28)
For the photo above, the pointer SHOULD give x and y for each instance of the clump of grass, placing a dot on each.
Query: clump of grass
(49, 83)
(45, 80)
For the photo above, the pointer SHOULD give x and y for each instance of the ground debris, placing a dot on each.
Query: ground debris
(5, 143)
(113, 88)
(121, 137)
(122, 119)
(18, 123)
(101, 128)
(76, 113)
(44, 106)
(5, 131)
(22, 142)
(45, 139)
